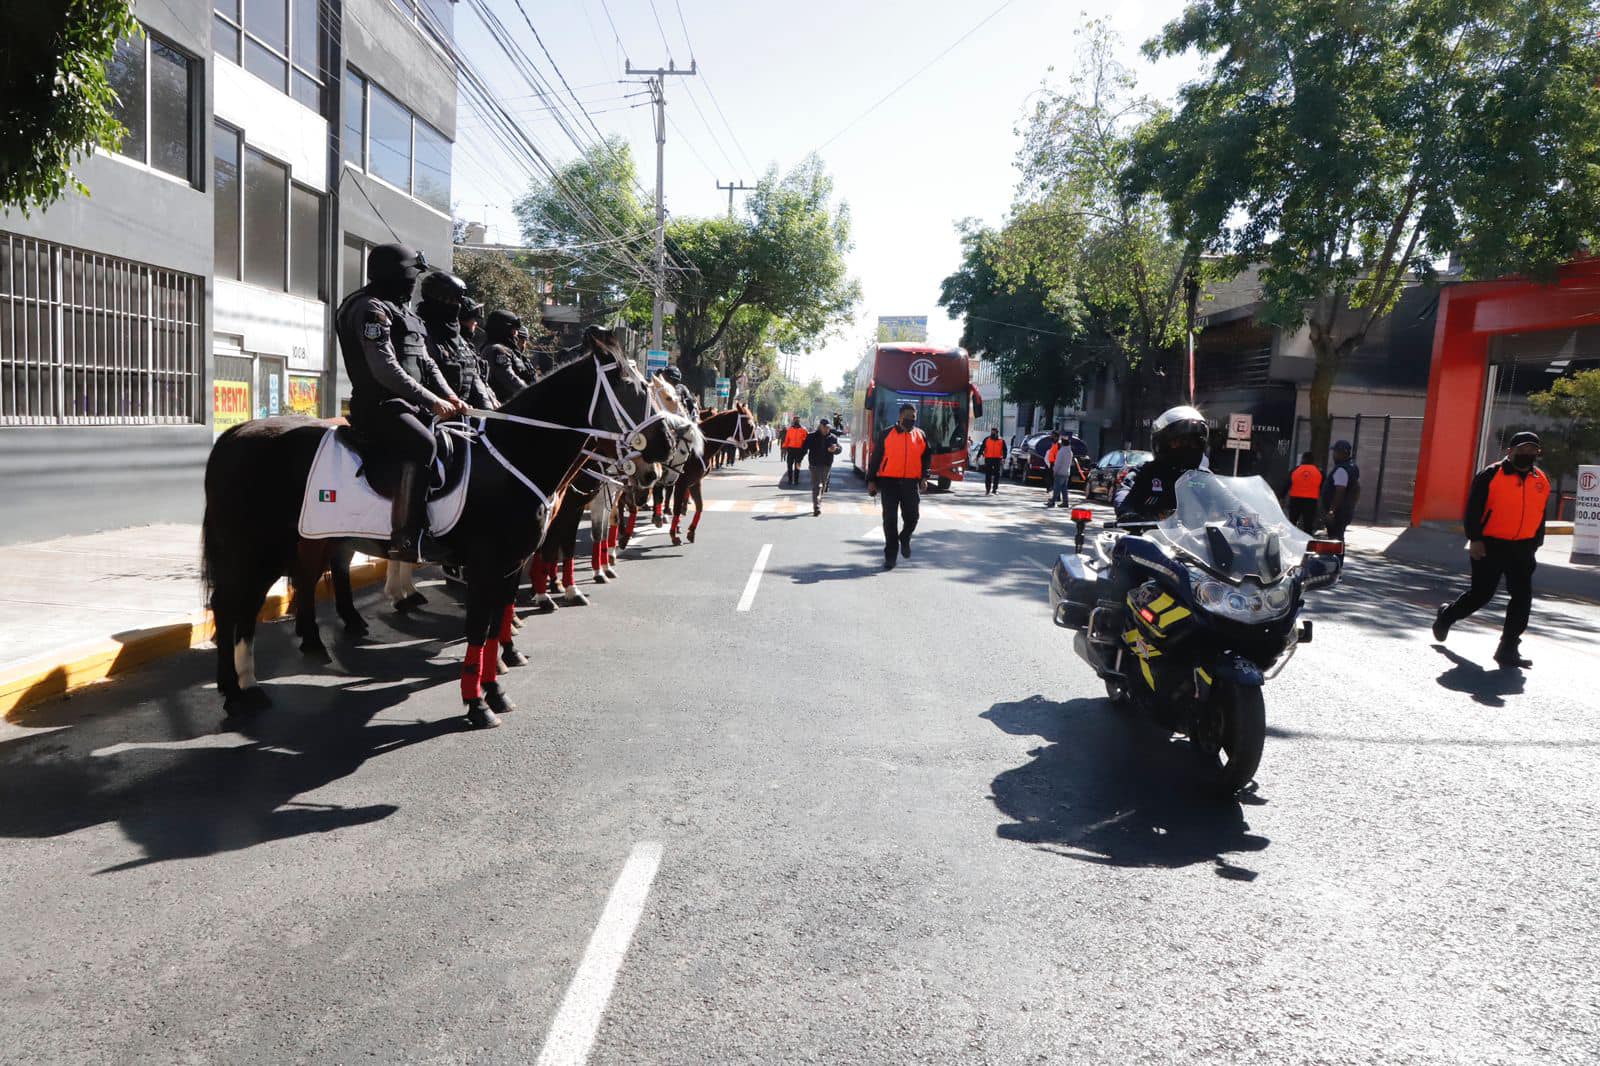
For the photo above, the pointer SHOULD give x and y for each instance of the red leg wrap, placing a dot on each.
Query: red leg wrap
(633, 520)
(675, 519)
(505, 625)
(491, 661)
(568, 576)
(540, 576)
(471, 669)
(696, 522)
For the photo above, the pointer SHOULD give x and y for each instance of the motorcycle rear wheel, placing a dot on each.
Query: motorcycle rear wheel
(1244, 734)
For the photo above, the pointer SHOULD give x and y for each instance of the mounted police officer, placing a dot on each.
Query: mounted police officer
(509, 370)
(444, 296)
(691, 406)
(472, 322)
(395, 386)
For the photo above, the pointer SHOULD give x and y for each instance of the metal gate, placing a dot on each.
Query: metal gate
(1387, 448)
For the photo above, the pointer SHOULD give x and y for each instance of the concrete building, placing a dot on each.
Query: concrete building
(270, 143)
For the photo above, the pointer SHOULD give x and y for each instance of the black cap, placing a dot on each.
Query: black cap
(1526, 436)
(908, 407)
(673, 374)
(1342, 446)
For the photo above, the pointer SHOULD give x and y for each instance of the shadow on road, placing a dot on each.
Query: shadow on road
(1488, 687)
(1105, 788)
(155, 755)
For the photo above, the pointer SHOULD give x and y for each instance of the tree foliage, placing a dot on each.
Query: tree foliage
(501, 283)
(1573, 405)
(56, 104)
(1341, 146)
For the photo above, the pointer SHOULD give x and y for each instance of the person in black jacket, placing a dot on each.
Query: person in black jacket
(1504, 522)
(440, 310)
(821, 447)
(509, 371)
(1179, 441)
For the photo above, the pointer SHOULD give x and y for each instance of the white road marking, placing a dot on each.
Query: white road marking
(577, 1021)
(719, 505)
(764, 506)
(750, 586)
(875, 533)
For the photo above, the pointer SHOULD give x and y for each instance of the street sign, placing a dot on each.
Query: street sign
(1586, 516)
(1239, 432)
(655, 361)
(722, 389)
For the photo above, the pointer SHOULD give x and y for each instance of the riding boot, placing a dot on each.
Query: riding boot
(409, 514)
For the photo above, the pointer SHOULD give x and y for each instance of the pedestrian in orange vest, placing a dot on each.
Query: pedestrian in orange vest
(994, 453)
(1305, 490)
(1505, 526)
(794, 449)
(900, 463)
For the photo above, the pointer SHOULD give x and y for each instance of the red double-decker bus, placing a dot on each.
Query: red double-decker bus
(938, 381)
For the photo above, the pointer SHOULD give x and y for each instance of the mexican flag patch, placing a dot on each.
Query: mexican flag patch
(326, 495)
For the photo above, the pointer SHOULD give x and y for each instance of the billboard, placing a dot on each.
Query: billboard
(907, 328)
(230, 405)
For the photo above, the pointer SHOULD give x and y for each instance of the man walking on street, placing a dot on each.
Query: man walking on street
(821, 447)
(994, 454)
(1341, 491)
(1505, 527)
(899, 467)
(1305, 489)
(794, 449)
(1061, 463)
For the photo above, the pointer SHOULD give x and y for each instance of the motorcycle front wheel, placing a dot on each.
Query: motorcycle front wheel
(1243, 713)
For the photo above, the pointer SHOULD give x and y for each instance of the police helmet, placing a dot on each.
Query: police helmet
(501, 326)
(388, 263)
(471, 311)
(673, 374)
(443, 288)
(1177, 424)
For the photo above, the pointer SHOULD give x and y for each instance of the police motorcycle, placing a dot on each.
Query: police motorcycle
(1187, 617)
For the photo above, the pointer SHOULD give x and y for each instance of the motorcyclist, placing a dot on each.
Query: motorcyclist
(509, 370)
(1178, 439)
(444, 297)
(395, 386)
(691, 406)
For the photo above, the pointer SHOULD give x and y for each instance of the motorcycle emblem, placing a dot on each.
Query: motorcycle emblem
(922, 372)
(1245, 523)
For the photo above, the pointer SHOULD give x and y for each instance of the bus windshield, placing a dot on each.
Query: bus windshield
(942, 418)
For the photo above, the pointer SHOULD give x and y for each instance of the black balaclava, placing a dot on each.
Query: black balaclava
(501, 328)
(442, 319)
(393, 270)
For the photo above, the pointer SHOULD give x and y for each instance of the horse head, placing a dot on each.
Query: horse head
(654, 435)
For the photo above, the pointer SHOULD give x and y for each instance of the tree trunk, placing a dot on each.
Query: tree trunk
(1322, 379)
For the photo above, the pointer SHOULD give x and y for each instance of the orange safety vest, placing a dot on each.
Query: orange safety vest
(1516, 505)
(1055, 450)
(994, 448)
(902, 454)
(794, 437)
(1305, 483)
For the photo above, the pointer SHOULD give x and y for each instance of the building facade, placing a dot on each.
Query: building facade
(270, 143)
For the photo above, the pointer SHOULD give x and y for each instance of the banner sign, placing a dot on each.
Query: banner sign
(722, 388)
(1586, 516)
(230, 405)
(655, 361)
(902, 328)
(305, 395)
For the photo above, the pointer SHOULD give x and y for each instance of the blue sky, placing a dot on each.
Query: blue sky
(792, 77)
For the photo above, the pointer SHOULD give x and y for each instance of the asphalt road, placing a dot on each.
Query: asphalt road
(873, 818)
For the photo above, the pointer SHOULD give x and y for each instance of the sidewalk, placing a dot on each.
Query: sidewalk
(76, 610)
(1446, 549)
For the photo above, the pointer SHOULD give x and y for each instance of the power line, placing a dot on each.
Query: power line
(661, 29)
(682, 22)
(916, 74)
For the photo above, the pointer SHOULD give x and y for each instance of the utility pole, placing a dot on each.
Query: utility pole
(657, 81)
(732, 188)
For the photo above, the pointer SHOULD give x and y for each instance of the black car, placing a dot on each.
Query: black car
(1109, 471)
(1027, 462)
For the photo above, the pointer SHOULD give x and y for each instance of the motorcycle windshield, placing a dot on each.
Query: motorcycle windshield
(1235, 526)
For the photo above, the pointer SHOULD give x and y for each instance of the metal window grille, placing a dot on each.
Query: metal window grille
(89, 339)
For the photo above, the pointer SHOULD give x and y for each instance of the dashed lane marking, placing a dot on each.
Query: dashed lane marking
(577, 1021)
(754, 583)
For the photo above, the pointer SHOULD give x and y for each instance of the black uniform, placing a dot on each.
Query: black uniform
(457, 361)
(394, 382)
(509, 370)
(1153, 491)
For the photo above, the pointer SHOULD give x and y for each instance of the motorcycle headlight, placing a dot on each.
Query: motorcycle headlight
(1245, 603)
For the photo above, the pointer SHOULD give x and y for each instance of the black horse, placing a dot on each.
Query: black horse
(256, 479)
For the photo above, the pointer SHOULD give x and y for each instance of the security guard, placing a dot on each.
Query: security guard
(395, 386)
(1505, 527)
(1305, 489)
(443, 297)
(1179, 442)
(794, 449)
(1341, 490)
(509, 371)
(900, 464)
(994, 454)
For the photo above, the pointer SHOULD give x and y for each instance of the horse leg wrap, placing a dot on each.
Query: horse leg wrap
(696, 521)
(491, 661)
(471, 674)
(539, 576)
(569, 576)
(507, 628)
(594, 557)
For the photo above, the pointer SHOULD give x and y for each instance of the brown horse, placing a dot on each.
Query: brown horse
(735, 427)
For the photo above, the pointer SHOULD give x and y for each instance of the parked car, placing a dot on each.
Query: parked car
(1028, 463)
(1109, 471)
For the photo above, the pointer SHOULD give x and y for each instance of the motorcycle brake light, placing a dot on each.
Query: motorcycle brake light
(1326, 547)
(1147, 614)
(1082, 514)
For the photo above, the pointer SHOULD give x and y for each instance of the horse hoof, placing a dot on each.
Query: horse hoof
(496, 698)
(610, 572)
(691, 536)
(315, 650)
(658, 521)
(479, 716)
(356, 627)
(600, 577)
(247, 701)
(546, 604)
(510, 656)
(407, 604)
(574, 598)
(676, 540)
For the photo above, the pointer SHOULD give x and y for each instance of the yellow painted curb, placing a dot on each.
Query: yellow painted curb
(71, 669)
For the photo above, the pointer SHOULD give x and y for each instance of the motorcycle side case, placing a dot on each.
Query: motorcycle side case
(1073, 591)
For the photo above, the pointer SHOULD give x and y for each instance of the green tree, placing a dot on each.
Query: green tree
(501, 282)
(784, 256)
(1573, 405)
(594, 231)
(1341, 146)
(56, 104)
(1095, 249)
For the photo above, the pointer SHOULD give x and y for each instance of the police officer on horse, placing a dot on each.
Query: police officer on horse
(443, 300)
(509, 370)
(691, 406)
(396, 389)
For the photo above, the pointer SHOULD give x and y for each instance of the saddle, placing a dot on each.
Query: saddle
(349, 488)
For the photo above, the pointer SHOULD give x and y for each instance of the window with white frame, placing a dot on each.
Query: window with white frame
(156, 85)
(383, 138)
(268, 227)
(279, 41)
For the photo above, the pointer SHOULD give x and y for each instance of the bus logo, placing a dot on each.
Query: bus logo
(922, 372)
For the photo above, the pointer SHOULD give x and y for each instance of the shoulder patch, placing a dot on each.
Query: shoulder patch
(372, 330)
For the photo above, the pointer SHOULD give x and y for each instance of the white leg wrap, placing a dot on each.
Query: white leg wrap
(244, 663)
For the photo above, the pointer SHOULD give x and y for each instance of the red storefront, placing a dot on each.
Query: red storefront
(1496, 341)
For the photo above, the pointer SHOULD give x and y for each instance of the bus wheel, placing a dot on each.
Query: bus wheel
(944, 484)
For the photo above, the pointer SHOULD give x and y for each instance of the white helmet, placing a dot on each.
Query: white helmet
(1178, 423)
